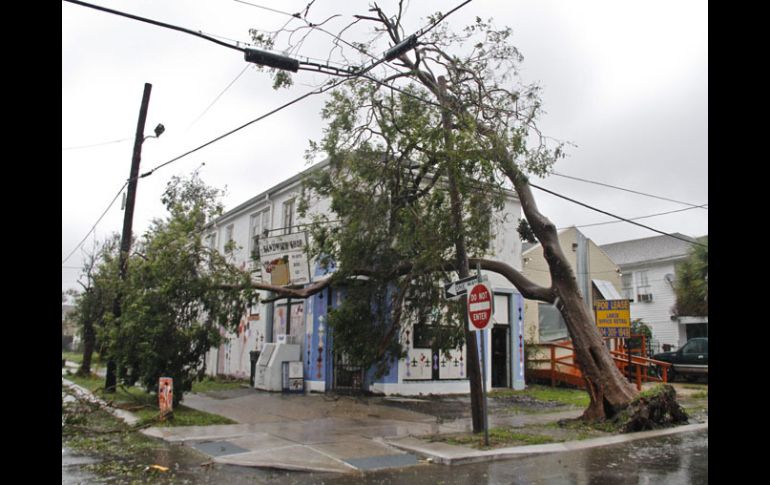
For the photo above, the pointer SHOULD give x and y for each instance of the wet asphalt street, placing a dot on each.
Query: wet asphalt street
(673, 460)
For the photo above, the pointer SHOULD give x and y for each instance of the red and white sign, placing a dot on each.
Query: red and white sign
(479, 307)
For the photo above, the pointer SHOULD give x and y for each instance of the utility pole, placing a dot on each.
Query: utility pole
(110, 380)
(462, 265)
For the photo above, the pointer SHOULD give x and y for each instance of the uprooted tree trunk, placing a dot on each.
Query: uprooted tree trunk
(651, 410)
(609, 391)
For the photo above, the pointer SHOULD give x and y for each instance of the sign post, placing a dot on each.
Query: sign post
(165, 397)
(480, 302)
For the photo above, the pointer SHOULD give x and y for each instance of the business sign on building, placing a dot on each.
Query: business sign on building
(613, 318)
(284, 259)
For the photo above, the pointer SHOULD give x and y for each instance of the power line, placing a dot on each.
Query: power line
(95, 144)
(156, 22)
(219, 96)
(361, 73)
(702, 206)
(95, 224)
(637, 218)
(295, 15)
(613, 215)
(259, 118)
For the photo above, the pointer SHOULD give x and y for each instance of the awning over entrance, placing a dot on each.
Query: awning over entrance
(607, 290)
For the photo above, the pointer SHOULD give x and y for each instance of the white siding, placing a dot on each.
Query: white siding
(657, 313)
(232, 358)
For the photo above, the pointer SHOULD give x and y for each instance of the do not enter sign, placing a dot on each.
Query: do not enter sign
(479, 307)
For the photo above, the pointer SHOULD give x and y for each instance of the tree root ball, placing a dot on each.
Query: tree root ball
(652, 409)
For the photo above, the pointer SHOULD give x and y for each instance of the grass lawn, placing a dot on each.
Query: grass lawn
(568, 397)
(145, 405)
(209, 384)
(78, 357)
(498, 437)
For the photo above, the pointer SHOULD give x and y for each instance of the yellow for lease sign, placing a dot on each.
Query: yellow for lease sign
(613, 317)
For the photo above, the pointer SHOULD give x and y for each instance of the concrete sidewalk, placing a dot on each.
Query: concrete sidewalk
(447, 454)
(319, 433)
(304, 432)
(323, 433)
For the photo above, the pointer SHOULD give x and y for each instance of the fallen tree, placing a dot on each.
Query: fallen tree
(447, 113)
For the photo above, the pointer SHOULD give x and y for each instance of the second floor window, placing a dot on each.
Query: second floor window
(643, 289)
(259, 223)
(288, 216)
(628, 286)
(229, 246)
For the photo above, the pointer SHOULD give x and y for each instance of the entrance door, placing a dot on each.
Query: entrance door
(348, 378)
(500, 351)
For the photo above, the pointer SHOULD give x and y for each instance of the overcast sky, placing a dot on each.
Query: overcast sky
(626, 82)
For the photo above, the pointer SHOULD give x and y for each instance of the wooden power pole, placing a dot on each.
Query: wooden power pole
(128, 222)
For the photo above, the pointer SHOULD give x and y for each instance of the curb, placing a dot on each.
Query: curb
(447, 454)
(129, 418)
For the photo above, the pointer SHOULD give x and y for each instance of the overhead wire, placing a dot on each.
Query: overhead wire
(95, 224)
(613, 215)
(157, 23)
(185, 30)
(239, 128)
(361, 73)
(219, 96)
(634, 218)
(80, 147)
(702, 206)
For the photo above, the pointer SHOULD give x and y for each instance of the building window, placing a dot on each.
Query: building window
(643, 290)
(550, 323)
(423, 335)
(288, 216)
(229, 245)
(258, 223)
(501, 315)
(627, 280)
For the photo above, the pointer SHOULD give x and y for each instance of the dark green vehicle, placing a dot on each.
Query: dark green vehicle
(691, 361)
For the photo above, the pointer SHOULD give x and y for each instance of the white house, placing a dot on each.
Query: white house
(423, 371)
(648, 268)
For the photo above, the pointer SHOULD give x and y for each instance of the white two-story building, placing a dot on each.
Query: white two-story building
(424, 370)
(648, 268)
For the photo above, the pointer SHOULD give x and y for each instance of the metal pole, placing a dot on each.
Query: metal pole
(484, 369)
(484, 386)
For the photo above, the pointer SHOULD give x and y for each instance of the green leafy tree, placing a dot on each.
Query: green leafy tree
(177, 294)
(475, 127)
(99, 279)
(384, 180)
(691, 285)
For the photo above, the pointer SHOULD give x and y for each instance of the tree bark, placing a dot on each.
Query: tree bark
(608, 389)
(89, 342)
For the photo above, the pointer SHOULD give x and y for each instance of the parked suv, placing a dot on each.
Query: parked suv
(691, 361)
